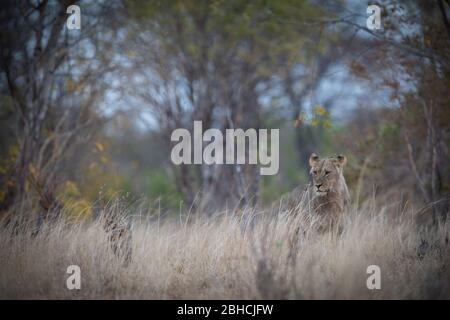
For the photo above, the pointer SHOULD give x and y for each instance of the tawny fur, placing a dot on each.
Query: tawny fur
(330, 195)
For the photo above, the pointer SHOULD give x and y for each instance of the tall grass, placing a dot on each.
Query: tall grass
(234, 255)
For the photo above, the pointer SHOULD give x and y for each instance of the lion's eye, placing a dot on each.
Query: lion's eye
(327, 172)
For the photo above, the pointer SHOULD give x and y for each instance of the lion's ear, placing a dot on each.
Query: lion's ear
(313, 159)
(341, 160)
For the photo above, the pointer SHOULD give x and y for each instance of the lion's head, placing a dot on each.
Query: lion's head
(327, 174)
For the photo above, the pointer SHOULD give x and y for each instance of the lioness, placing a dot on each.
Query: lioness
(330, 196)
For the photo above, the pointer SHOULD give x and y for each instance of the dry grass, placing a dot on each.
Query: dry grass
(277, 256)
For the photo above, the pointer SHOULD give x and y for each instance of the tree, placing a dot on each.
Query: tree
(214, 61)
(51, 77)
(414, 67)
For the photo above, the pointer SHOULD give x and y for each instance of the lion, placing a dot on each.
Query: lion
(329, 192)
(324, 200)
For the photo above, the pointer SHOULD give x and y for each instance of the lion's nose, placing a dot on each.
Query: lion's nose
(318, 185)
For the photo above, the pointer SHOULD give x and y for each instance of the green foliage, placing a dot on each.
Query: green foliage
(250, 30)
(159, 185)
(386, 132)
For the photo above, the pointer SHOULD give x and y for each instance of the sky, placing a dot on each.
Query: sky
(339, 86)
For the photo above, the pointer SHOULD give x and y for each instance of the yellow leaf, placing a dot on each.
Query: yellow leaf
(33, 170)
(13, 151)
(92, 166)
(321, 111)
(314, 122)
(71, 189)
(131, 53)
(70, 85)
(99, 146)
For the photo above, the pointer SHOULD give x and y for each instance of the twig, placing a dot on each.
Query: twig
(414, 168)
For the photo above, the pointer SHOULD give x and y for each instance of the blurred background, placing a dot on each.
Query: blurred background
(87, 114)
